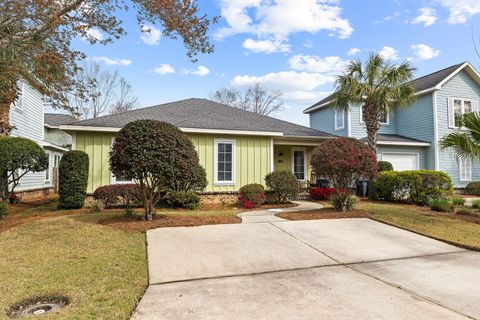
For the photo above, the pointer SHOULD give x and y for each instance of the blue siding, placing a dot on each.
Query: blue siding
(417, 122)
(324, 119)
(460, 86)
(358, 129)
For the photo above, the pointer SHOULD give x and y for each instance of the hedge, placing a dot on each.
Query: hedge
(473, 188)
(252, 195)
(384, 166)
(182, 199)
(73, 179)
(126, 195)
(416, 186)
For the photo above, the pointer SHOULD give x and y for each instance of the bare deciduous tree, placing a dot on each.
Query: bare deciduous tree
(104, 92)
(255, 99)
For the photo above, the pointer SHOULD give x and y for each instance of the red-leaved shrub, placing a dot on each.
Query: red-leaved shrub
(318, 193)
(127, 195)
(252, 195)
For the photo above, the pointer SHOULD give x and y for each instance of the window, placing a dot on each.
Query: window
(299, 165)
(465, 166)
(339, 119)
(19, 101)
(224, 161)
(459, 107)
(119, 180)
(384, 116)
(47, 171)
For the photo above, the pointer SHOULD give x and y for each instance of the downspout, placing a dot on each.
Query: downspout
(435, 131)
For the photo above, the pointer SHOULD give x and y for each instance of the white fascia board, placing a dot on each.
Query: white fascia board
(397, 143)
(186, 130)
(52, 146)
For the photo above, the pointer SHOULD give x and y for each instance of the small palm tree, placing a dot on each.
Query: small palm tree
(465, 143)
(379, 86)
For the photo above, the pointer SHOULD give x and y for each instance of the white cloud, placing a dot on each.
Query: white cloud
(461, 10)
(201, 71)
(279, 19)
(424, 52)
(112, 61)
(308, 44)
(164, 68)
(388, 18)
(427, 17)
(285, 81)
(95, 34)
(150, 35)
(353, 51)
(265, 46)
(317, 64)
(389, 53)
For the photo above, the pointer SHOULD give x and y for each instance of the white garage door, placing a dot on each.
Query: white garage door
(401, 161)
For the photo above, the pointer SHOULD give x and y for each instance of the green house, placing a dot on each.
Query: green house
(236, 147)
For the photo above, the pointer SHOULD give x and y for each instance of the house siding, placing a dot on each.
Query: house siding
(460, 86)
(324, 119)
(253, 158)
(283, 158)
(358, 129)
(27, 119)
(58, 137)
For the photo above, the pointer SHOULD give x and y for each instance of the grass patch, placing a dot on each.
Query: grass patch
(324, 213)
(425, 222)
(101, 269)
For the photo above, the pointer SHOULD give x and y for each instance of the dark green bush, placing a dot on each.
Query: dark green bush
(416, 186)
(182, 199)
(252, 195)
(473, 188)
(3, 209)
(476, 204)
(73, 180)
(441, 205)
(384, 166)
(458, 201)
(282, 185)
(125, 195)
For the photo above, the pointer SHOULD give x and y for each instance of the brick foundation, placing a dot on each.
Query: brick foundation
(218, 198)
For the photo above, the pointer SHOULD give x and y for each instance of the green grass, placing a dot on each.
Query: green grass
(456, 231)
(102, 269)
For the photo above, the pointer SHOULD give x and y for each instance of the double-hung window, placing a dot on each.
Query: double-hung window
(465, 166)
(224, 161)
(384, 116)
(459, 107)
(299, 163)
(339, 119)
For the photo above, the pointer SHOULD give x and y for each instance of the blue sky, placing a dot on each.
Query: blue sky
(294, 46)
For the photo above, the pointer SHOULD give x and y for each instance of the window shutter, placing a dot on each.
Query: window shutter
(451, 114)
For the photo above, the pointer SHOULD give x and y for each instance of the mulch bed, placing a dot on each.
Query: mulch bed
(164, 221)
(325, 213)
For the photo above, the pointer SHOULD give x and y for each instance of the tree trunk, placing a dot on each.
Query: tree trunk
(8, 94)
(149, 210)
(4, 185)
(371, 117)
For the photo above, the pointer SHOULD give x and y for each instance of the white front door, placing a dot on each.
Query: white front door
(402, 161)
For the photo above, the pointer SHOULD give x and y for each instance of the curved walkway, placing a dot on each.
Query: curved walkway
(268, 215)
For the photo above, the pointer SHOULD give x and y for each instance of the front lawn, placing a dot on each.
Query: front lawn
(429, 223)
(98, 260)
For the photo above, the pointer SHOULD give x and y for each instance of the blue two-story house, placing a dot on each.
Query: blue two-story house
(409, 138)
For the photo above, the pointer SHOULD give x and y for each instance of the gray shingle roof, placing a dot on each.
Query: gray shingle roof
(422, 83)
(204, 114)
(56, 119)
(394, 138)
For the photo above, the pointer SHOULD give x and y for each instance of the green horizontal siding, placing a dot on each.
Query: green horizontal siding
(253, 158)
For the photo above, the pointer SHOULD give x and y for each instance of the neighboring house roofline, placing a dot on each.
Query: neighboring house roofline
(398, 140)
(450, 73)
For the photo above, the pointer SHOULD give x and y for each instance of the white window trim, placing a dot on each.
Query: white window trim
(113, 179)
(305, 169)
(384, 123)
(337, 111)
(451, 111)
(460, 169)
(215, 162)
(48, 172)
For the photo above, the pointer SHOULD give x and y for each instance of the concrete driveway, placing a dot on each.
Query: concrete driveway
(324, 269)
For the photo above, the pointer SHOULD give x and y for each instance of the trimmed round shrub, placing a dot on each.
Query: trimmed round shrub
(384, 166)
(283, 186)
(19, 154)
(154, 154)
(415, 186)
(473, 188)
(73, 180)
(343, 161)
(252, 195)
(182, 200)
(126, 195)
